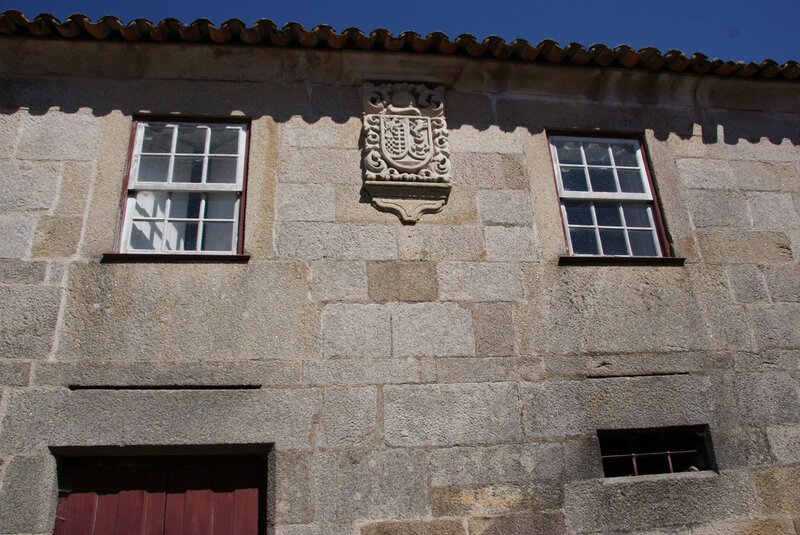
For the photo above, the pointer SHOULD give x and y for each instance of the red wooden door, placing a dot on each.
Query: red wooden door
(175, 495)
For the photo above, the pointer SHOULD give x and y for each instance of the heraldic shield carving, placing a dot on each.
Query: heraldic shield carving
(406, 151)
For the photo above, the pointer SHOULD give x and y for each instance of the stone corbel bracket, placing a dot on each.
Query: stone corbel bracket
(406, 149)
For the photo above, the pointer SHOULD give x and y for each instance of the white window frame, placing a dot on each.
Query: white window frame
(593, 198)
(134, 186)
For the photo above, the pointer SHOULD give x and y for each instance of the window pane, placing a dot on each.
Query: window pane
(157, 139)
(224, 141)
(602, 179)
(636, 215)
(191, 140)
(181, 236)
(642, 243)
(568, 151)
(613, 242)
(153, 169)
(185, 205)
(608, 215)
(146, 235)
(574, 179)
(630, 180)
(584, 241)
(624, 154)
(578, 213)
(221, 170)
(217, 236)
(187, 169)
(597, 153)
(220, 205)
(150, 204)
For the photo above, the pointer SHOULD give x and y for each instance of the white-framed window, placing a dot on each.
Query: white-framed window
(184, 188)
(606, 196)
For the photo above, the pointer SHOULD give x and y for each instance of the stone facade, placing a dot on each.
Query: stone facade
(442, 378)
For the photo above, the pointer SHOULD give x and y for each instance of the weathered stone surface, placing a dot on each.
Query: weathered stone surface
(338, 281)
(439, 242)
(14, 373)
(324, 132)
(766, 399)
(783, 282)
(38, 418)
(346, 241)
(325, 471)
(511, 244)
(60, 136)
(382, 483)
(22, 272)
(318, 165)
(562, 408)
(57, 236)
(718, 208)
(776, 326)
(467, 138)
(474, 466)
(756, 526)
(401, 281)
(431, 329)
(356, 331)
(357, 372)
(467, 281)
(627, 504)
(28, 322)
(705, 174)
(510, 207)
(17, 231)
(638, 364)
(784, 442)
(305, 202)
(28, 494)
(756, 176)
(349, 416)
(476, 169)
(217, 311)
(535, 523)
(473, 370)
(493, 325)
(315, 529)
(747, 283)
(500, 499)
(450, 415)
(294, 492)
(76, 179)
(415, 527)
(28, 185)
(740, 446)
(778, 490)
(773, 210)
(743, 247)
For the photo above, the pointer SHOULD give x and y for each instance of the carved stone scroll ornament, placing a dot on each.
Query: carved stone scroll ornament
(406, 151)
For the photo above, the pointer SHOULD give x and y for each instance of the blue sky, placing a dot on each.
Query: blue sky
(732, 29)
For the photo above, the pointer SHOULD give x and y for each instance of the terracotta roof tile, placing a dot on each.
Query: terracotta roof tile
(266, 33)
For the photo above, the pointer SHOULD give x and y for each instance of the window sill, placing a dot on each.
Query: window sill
(133, 258)
(569, 260)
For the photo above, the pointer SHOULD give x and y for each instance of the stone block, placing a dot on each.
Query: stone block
(318, 166)
(349, 416)
(315, 529)
(461, 208)
(631, 503)
(771, 210)
(507, 207)
(325, 471)
(474, 370)
(766, 399)
(755, 526)
(356, 331)
(776, 326)
(73, 194)
(415, 527)
(493, 325)
(705, 173)
(10, 124)
(14, 373)
(431, 330)
(560, 408)
(342, 241)
(28, 494)
(451, 415)
(747, 283)
(515, 171)
(28, 322)
(218, 311)
(60, 136)
(478, 169)
(324, 132)
(22, 272)
(783, 282)
(477, 466)
(382, 483)
(743, 246)
(470, 281)
(294, 492)
(440, 242)
(361, 372)
(38, 418)
(501, 499)
(715, 208)
(304, 202)
(769, 360)
(756, 176)
(338, 281)
(535, 523)
(638, 364)
(784, 442)
(402, 281)
(779, 490)
(511, 244)
(740, 446)
(28, 185)
(17, 232)
(468, 107)
(57, 236)
(492, 139)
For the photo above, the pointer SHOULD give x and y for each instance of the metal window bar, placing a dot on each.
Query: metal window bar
(633, 456)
